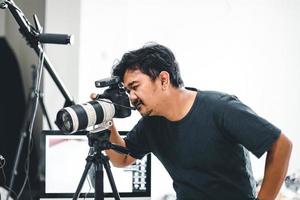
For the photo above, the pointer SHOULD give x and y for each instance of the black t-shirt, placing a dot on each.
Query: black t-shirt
(206, 152)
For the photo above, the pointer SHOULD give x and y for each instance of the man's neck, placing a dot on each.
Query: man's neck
(178, 103)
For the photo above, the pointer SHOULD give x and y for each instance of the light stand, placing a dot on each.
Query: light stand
(35, 37)
(98, 142)
(41, 95)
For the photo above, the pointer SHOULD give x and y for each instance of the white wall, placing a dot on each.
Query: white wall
(62, 17)
(247, 48)
(2, 22)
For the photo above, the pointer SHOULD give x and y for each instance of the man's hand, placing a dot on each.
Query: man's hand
(93, 96)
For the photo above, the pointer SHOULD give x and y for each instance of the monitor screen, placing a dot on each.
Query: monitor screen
(65, 161)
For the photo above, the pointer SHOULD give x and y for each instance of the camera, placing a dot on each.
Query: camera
(114, 102)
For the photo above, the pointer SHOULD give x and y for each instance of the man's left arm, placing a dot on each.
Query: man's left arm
(276, 167)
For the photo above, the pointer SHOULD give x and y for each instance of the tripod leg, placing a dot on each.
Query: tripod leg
(83, 177)
(99, 192)
(110, 178)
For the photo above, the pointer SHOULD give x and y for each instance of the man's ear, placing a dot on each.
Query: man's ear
(164, 78)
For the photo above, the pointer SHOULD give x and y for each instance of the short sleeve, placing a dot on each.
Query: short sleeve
(245, 127)
(136, 141)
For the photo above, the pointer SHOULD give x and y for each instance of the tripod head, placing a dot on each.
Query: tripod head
(99, 141)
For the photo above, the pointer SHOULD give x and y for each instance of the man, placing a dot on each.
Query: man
(201, 137)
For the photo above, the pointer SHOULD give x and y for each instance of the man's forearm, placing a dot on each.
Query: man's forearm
(276, 168)
(117, 159)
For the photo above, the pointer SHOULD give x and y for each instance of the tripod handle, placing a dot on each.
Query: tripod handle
(51, 38)
(105, 144)
(119, 149)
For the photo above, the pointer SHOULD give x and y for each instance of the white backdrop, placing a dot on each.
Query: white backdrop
(247, 48)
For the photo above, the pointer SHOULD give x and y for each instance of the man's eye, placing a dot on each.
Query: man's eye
(134, 87)
(127, 91)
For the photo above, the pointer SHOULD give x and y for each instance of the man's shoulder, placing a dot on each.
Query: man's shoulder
(216, 96)
(211, 94)
(215, 101)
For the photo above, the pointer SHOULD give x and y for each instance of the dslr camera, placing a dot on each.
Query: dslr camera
(114, 102)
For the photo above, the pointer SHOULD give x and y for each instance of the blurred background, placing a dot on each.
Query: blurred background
(249, 48)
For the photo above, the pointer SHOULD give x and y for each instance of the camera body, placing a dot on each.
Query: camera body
(114, 102)
(117, 94)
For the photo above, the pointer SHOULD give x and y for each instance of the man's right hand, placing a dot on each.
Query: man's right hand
(93, 96)
(117, 159)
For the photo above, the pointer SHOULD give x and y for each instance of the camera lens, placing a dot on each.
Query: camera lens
(67, 121)
(64, 121)
(82, 116)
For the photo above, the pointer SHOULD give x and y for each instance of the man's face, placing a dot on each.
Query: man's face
(144, 93)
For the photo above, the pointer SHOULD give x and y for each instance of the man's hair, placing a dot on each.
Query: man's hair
(151, 59)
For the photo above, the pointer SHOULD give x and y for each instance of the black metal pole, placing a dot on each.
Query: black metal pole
(29, 33)
(69, 99)
(14, 171)
(41, 99)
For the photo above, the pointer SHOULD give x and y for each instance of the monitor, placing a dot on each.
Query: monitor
(65, 161)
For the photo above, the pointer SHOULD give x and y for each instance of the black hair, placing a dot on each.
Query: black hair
(151, 59)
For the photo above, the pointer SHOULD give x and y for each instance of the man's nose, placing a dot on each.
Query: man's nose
(132, 95)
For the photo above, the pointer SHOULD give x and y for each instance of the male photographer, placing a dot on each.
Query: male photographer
(201, 137)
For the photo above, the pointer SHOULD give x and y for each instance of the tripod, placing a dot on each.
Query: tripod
(98, 142)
